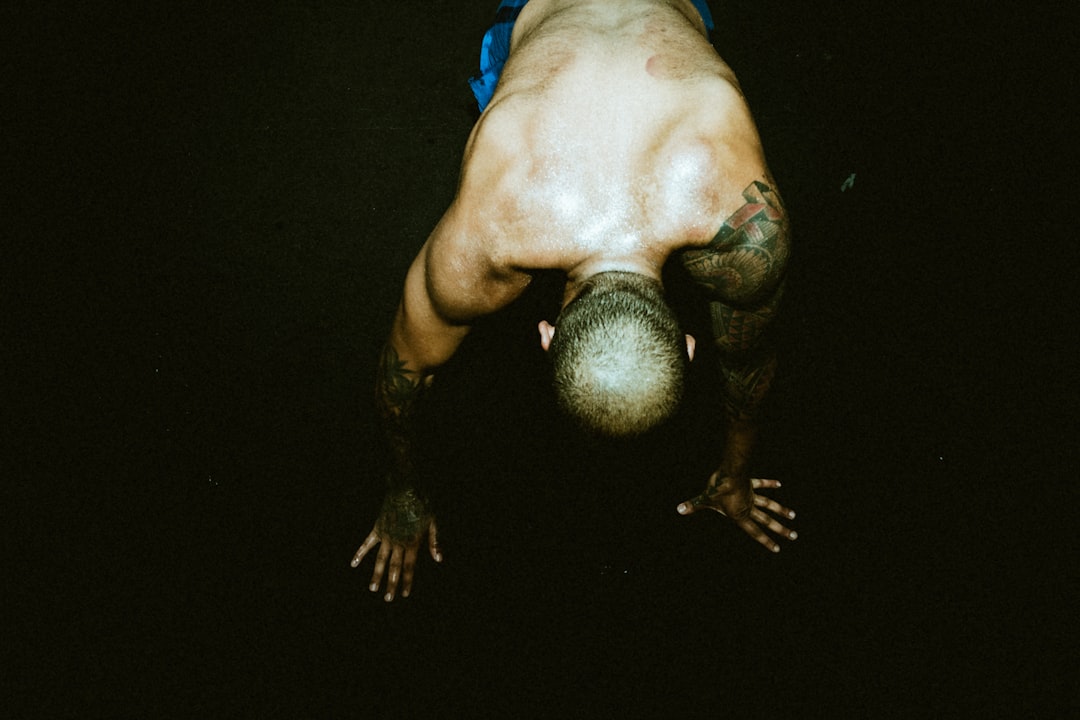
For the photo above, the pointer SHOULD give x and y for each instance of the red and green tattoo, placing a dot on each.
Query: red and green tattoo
(741, 271)
(747, 257)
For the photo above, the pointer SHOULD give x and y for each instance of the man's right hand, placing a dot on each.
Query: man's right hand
(402, 524)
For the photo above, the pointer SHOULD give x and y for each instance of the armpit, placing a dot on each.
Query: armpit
(746, 259)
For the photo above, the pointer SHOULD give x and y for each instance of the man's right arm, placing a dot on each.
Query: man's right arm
(421, 339)
(451, 282)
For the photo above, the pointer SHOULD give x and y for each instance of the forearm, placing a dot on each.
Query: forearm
(405, 517)
(421, 340)
(398, 390)
(747, 365)
(746, 383)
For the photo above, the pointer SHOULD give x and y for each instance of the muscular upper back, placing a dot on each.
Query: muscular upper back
(554, 38)
(615, 128)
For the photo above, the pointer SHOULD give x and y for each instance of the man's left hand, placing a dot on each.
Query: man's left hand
(737, 500)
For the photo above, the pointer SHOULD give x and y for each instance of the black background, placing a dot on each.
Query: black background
(209, 211)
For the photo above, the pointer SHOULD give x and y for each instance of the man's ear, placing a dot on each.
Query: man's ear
(691, 343)
(547, 331)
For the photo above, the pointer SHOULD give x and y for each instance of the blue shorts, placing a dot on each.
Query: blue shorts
(496, 47)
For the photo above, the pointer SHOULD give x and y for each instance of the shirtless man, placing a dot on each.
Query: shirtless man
(616, 139)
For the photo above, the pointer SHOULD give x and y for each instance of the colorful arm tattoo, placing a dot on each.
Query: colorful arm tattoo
(741, 271)
(747, 257)
(746, 384)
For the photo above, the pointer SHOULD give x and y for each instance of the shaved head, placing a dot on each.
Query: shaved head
(619, 357)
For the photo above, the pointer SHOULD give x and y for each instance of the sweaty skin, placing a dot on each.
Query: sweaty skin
(616, 139)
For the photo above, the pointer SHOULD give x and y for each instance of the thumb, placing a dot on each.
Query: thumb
(433, 542)
(690, 506)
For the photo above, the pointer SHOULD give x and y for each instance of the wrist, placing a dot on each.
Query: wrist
(738, 447)
(400, 484)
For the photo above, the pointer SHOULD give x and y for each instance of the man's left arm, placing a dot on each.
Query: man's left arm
(742, 273)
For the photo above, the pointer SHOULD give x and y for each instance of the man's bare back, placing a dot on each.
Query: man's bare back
(616, 138)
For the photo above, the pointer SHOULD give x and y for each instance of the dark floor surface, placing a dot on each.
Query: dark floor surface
(210, 212)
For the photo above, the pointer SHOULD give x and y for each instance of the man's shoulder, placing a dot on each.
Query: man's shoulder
(499, 159)
(746, 258)
(496, 141)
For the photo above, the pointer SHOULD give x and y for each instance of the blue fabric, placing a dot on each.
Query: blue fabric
(494, 51)
(706, 16)
(496, 47)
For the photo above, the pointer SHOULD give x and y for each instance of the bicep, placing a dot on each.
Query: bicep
(422, 335)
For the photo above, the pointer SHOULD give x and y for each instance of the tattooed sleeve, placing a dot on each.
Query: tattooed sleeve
(396, 392)
(746, 259)
(741, 272)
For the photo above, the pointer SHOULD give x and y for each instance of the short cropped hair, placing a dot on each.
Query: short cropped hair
(618, 355)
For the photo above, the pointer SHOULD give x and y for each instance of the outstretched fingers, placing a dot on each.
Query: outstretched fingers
(763, 503)
(407, 571)
(751, 528)
(371, 541)
(759, 483)
(397, 559)
(380, 568)
(433, 542)
(774, 507)
(772, 524)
